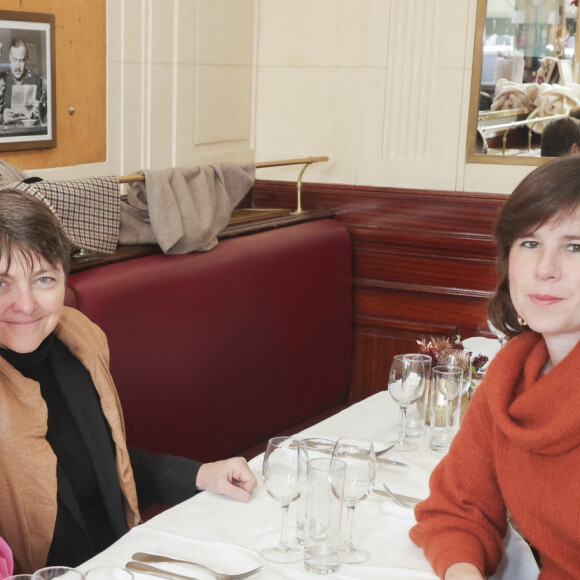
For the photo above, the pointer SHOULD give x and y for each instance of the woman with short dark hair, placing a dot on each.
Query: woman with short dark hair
(560, 137)
(69, 486)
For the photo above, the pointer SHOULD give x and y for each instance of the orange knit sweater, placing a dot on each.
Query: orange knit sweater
(518, 451)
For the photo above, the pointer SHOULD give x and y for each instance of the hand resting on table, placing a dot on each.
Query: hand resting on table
(463, 571)
(232, 477)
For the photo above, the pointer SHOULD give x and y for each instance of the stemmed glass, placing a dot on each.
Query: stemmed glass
(284, 464)
(53, 572)
(406, 385)
(448, 380)
(359, 456)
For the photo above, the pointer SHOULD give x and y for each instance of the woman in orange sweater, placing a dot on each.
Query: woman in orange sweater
(518, 449)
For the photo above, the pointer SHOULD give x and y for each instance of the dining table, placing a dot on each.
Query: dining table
(228, 535)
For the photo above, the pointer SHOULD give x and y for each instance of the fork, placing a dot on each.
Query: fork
(144, 557)
(396, 499)
(385, 450)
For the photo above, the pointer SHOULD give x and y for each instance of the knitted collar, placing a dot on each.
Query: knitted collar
(534, 411)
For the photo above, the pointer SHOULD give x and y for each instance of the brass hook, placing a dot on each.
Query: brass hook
(299, 209)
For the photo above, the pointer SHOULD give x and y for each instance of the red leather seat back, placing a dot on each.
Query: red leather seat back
(214, 352)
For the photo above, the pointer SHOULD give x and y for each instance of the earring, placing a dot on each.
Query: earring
(521, 321)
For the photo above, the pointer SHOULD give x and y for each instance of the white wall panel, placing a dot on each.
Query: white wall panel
(223, 104)
(225, 32)
(133, 136)
(173, 108)
(381, 86)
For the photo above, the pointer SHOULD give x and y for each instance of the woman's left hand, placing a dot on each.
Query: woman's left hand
(232, 477)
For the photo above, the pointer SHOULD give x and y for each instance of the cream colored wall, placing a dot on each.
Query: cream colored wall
(180, 85)
(380, 86)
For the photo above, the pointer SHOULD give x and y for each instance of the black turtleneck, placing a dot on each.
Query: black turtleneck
(83, 527)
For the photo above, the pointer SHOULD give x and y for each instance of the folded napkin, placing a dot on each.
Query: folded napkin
(390, 508)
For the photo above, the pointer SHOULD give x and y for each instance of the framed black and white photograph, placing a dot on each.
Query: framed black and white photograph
(27, 81)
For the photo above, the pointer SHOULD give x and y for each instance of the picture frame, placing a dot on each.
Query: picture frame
(27, 81)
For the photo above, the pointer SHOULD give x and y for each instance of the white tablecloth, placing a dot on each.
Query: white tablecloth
(229, 535)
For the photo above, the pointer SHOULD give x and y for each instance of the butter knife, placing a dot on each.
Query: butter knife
(146, 569)
(391, 462)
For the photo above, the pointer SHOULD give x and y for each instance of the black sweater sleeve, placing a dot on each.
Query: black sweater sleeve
(162, 478)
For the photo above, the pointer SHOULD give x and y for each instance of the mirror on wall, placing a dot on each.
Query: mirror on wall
(526, 74)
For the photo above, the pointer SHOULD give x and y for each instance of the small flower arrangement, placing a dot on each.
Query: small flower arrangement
(437, 345)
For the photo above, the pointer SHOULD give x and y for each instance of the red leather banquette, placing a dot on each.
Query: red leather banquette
(212, 353)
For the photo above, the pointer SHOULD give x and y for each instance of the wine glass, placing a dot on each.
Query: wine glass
(359, 456)
(448, 380)
(62, 572)
(406, 385)
(284, 464)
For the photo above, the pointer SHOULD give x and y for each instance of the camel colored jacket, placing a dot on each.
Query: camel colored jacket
(28, 483)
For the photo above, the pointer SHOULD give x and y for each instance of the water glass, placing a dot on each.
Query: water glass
(416, 413)
(447, 384)
(459, 358)
(324, 495)
(312, 447)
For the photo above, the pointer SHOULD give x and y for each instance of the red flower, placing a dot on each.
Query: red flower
(574, 3)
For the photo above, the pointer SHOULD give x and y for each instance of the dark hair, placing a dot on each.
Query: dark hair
(559, 136)
(550, 191)
(19, 43)
(28, 227)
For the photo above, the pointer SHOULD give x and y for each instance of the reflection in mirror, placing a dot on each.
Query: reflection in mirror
(526, 74)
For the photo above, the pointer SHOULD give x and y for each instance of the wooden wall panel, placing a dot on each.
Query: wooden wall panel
(423, 264)
(81, 83)
(432, 271)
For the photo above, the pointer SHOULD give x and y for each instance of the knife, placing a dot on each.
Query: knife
(404, 498)
(146, 569)
(384, 460)
(391, 462)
